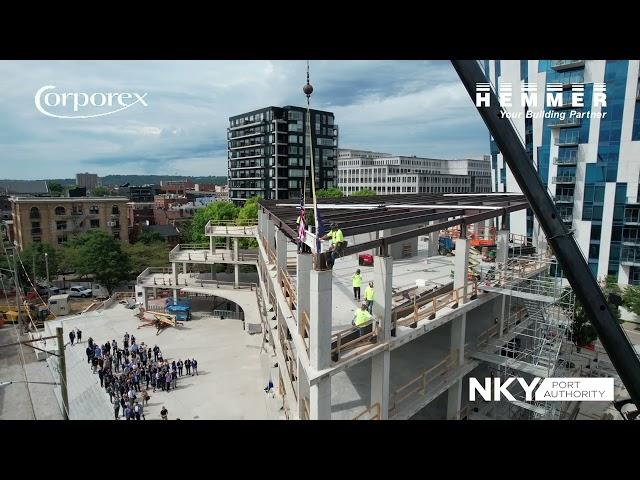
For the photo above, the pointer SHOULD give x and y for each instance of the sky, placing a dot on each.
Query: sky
(400, 107)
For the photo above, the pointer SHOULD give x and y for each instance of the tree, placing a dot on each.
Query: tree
(100, 191)
(328, 193)
(247, 215)
(55, 188)
(215, 211)
(363, 192)
(34, 253)
(100, 255)
(142, 255)
(631, 299)
(150, 236)
(249, 212)
(582, 330)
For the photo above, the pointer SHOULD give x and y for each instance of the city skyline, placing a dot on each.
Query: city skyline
(405, 107)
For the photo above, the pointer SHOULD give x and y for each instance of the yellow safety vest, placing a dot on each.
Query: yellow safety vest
(336, 236)
(368, 293)
(362, 317)
(357, 280)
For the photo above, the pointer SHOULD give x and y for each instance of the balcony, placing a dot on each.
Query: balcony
(568, 142)
(565, 161)
(567, 122)
(247, 125)
(559, 65)
(630, 256)
(564, 198)
(565, 179)
(248, 145)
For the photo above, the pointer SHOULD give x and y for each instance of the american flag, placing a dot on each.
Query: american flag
(302, 228)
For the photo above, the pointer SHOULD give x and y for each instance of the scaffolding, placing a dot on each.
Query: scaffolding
(537, 312)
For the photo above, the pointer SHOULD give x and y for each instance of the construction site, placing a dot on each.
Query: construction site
(453, 295)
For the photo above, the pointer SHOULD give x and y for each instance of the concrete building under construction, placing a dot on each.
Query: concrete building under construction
(438, 320)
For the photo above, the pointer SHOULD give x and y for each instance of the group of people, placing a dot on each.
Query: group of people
(127, 372)
(364, 314)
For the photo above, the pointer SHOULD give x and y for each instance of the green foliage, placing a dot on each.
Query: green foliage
(97, 253)
(215, 211)
(55, 188)
(631, 299)
(582, 331)
(142, 255)
(149, 236)
(363, 192)
(328, 193)
(249, 212)
(184, 230)
(34, 253)
(100, 191)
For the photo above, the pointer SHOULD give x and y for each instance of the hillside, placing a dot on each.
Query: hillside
(113, 180)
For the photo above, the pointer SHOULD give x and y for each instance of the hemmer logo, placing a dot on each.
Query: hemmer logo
(549, 389)
(555, 96)
(83, 105)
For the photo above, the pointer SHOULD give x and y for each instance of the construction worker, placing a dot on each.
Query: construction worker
(361, 317)
(356, 281)
(368, 296)
(337, 242)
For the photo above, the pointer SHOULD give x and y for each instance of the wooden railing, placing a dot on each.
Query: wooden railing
(419, 384)
(305, 329)
(287, 288)
(373, 411)
(341, 339)
(427, 309)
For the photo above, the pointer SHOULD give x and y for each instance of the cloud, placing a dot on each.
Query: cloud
(405, 107)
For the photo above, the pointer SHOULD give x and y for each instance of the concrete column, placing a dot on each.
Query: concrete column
(236, 267)
(212, 246)
(461, 263)
(184, 267)
(281, 250)
(432, 245)
(227, 242)
(141, 296)
(304, 266)
(458, 328)
(271, 234)
(320, 341)
(381, 363)
(260, 215)
(502, 246)
(303, 389)
(174, 271)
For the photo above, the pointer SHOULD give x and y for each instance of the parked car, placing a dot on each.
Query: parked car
(80, 291)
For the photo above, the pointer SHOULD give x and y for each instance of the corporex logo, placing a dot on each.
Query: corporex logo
(84, 105)
(547, 390)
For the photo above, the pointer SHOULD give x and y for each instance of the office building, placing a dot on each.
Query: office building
(390, 174)
(53, 220)
(587, 156)
(257, 138)
(87, 180)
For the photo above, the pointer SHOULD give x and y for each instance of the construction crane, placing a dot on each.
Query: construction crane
(584, 284)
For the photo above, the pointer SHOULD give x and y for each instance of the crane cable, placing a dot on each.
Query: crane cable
(308, 89)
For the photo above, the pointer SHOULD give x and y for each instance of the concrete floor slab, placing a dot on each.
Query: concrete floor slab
(231, 378)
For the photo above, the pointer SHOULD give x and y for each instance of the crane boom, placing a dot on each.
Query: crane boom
(575, 268)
